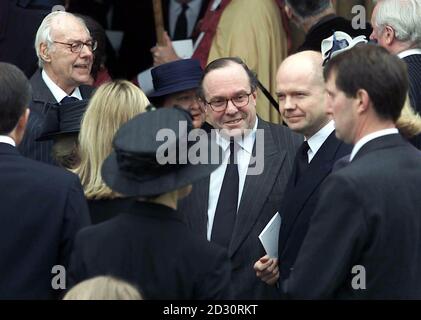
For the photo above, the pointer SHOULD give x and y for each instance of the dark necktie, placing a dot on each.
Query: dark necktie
(301, 160)
(68, 99)
(226, 209)
(180, 32)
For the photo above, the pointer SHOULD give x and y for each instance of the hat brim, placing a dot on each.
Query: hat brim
(52, 135)
(171, 90)
(180, 177)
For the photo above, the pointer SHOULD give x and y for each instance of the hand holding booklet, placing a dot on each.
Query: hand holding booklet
(270, 235)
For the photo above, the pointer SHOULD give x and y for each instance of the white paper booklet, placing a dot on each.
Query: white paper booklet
(270, 235)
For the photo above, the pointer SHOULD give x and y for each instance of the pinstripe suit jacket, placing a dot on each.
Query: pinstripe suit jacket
(41, 98)
(260, 200)
(413, 63)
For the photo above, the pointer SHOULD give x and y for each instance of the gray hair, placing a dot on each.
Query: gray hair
(44, 31)
(403, 16)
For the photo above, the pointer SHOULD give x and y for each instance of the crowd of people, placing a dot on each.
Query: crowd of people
(166, 194)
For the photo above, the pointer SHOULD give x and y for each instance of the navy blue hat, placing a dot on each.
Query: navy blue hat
(63, 119)
(176, 76)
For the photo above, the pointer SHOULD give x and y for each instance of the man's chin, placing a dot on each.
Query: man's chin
(83, 79)
(232, 132)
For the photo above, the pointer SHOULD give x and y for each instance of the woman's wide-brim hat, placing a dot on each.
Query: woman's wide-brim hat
(176, 76)
(151, 154)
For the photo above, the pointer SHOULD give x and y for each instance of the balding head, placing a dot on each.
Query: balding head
(307, 63)
(301, 91)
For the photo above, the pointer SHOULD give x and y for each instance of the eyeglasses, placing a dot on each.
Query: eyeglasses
(77, 46)
(220, 104)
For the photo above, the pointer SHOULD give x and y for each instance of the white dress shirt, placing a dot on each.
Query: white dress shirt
(58, 92)
(409, 52)
(192, 13)
(8, 140)
(370, 137)
(217, 177)
(317, 139)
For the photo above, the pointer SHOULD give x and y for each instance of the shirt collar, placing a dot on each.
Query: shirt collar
(247, 143)
(8, 140)
(58, 92)
(409, 52)
(370, 137)
(317, 139)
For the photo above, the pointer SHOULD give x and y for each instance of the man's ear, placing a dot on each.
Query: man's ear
(44, 52)
(19, 130)
(389, 34)
(363, 100)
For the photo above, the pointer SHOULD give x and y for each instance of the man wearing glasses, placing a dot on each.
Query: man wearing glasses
(234, 204)
(65, 54)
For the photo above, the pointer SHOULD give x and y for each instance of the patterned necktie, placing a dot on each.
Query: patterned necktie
(180, 32)
(226, 209)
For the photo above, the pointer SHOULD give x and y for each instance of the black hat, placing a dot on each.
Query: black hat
(176, 76)
(139, 164)
(63, 119)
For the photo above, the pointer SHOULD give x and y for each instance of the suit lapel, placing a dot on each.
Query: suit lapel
(296, 197)
(41, 93)
(257, 188)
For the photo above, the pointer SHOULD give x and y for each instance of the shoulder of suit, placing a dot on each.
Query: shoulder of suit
(47, 172)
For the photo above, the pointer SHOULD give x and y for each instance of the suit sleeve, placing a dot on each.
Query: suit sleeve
(336, 235)
(76, 216)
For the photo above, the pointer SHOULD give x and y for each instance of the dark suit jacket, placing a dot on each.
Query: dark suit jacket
(105, 209)
(41, 98)
(369, 215)
(325, 28)
(260, 200)
(413, 63)
(149, 246)
(42, 208)
(18, 26)
(300, 200)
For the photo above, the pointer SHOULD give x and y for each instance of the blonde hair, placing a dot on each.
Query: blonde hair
(409, 122)
(112, 105)
(103, 288)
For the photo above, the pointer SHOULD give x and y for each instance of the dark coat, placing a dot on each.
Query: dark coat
(42, 208)
(18, 26)
(135, 55)
(300, 200)
(369, 215)
(149, 246)
(41, 98)
(260, 200)
(413, 63)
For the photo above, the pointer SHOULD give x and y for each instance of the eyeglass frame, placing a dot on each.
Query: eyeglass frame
(70, 45)
(230, 99)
